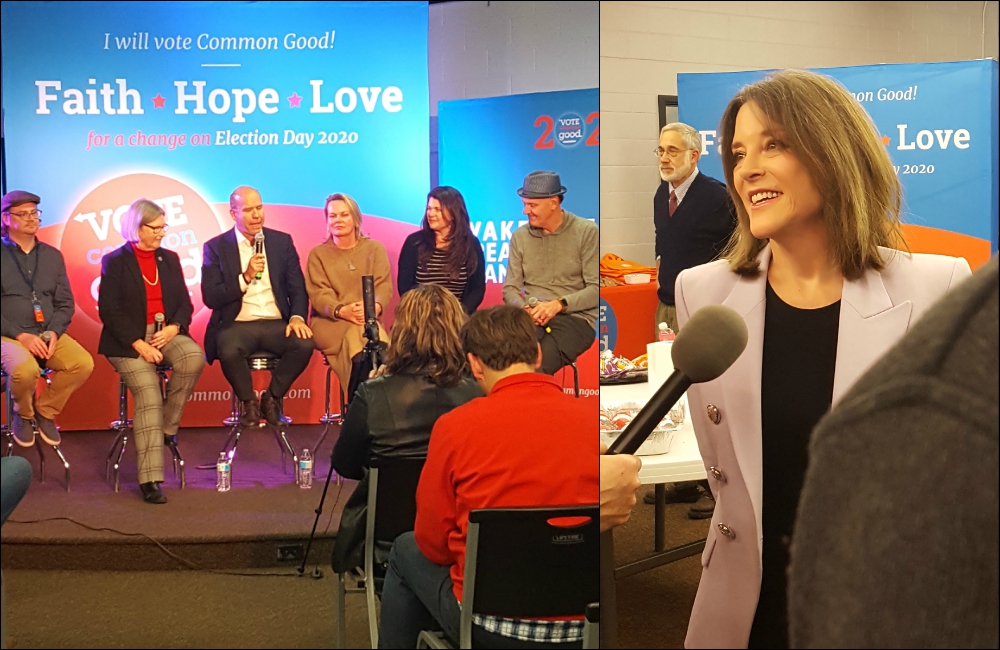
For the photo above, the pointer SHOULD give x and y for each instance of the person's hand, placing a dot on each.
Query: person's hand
(353, 313)
(298, 327)
(53, 342)
(34, 344)
(164, 336)
(148, 353)
(254, 266)
(377, 372)
(543, 312)
(619, 482)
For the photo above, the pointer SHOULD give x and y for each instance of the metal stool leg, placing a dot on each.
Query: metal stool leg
(122, 425)
(64, 462)
(576, 379)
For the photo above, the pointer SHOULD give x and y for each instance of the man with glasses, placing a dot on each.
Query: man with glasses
(259, 304)
(37, 306)
(694, 218)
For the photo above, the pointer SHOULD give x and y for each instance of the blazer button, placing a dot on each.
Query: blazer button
(714, 414)
(727, 531)
(717, 474)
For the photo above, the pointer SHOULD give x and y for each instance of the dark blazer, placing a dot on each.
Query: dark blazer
(696, 234)
(220, 281)
(390, 417)
(121, 300)
(406, 274)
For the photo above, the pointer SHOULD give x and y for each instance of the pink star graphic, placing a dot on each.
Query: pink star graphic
(294, 100)
(159, 101)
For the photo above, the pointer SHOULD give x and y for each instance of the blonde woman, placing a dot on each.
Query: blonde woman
(140, 281)
(333, 280)
(426, 376)
(812, 270)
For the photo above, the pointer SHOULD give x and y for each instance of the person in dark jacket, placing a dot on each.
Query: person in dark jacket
(391, 416)
(445, 251)
(142, 284)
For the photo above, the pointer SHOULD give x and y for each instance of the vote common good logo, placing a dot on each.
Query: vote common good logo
(94, 229)
(570, 129)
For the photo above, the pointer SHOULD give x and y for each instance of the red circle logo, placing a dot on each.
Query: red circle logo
(93, 229)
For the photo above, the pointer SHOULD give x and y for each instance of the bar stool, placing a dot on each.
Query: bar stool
(329, 418)
(123, 425)
(5, 428)
(576, 378)
(258, 361)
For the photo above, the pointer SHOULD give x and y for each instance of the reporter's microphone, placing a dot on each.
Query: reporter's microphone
(258, 249)
(711, 341)
(158, 322)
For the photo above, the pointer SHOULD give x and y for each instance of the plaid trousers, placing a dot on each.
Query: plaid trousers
(155, 417)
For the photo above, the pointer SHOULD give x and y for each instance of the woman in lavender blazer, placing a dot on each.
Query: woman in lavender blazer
(818, 269)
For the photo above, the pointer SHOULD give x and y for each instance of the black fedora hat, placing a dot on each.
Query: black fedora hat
(541, 185)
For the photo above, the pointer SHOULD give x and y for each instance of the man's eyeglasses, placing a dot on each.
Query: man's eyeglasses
(157, 231)
(672, 152)
(33, 214)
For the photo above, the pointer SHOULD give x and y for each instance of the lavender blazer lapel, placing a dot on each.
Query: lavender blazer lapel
(869, 325)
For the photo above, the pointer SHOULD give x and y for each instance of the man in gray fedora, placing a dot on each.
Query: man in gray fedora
(553, 272)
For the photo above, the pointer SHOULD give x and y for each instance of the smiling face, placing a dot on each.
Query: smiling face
(340, 220)
(677, 161)
(247, 210)
(438, 218)
(543, 213)
(775, 187)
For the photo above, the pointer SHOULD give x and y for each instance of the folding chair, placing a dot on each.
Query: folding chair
(389, 515)
(510, 552)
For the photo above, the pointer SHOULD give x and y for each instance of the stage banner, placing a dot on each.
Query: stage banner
(487, 146)
(938, 121)
(182, 102)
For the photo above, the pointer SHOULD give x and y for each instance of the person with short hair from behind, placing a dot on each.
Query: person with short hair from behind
(813, 273)
(444, 251)
(252, 314)
(553, 272)
(391, 416)
(526, 444)
(141, 281)
(37, 306)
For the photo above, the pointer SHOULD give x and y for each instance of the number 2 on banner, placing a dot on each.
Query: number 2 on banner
(594, 140)
(542, 143)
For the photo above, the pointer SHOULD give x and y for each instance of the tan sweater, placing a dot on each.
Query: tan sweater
(330, 280)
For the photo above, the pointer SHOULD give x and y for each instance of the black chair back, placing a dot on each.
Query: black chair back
(395, 495)
(529, 563)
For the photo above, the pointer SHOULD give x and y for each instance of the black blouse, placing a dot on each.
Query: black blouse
(797, 371)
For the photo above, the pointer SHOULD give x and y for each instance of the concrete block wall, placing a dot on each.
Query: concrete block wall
(645, 44)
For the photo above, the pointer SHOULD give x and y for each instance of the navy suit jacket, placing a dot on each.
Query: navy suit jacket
(220, 281)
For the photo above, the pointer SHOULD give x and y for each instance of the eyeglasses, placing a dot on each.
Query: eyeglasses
(34, 214)
(672, 152)
(157, 231)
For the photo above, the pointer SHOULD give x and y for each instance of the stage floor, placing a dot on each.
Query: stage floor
(93, 528)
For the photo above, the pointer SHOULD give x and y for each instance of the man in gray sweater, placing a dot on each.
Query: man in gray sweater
(553, 272)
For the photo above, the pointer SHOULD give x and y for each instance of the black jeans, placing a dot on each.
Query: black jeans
(563, 339)
(243, 339)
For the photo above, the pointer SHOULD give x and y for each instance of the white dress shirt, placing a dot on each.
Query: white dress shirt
(682, 189)
(258, 298)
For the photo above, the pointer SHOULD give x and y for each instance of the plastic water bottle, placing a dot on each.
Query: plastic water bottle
(305, 470)
(665, 333)
(224, 473)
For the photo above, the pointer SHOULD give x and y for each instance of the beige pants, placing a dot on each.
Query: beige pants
(71, 366)
(665, 314)
(339, 341)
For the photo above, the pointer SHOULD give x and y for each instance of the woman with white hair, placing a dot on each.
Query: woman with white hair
(143, 285)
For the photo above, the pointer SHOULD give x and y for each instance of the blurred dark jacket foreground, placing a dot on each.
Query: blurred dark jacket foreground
(896, 541)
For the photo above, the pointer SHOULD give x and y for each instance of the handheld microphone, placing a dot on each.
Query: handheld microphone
(45, 336)
(158, 322)
(711, 341)
(368, 298)
(533, 302)
(258, 249)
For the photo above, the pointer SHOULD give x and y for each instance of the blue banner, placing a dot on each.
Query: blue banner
(938, 122)
(488, 146)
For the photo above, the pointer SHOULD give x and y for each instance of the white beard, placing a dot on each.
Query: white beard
(681, 171)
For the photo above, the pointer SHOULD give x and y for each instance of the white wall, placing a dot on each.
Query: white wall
(645, 44)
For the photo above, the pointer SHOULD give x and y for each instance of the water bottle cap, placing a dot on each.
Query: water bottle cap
(662, 327)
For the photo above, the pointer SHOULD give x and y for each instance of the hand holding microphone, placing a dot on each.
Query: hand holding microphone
(162, 333)
(711, 341)
(258, 251)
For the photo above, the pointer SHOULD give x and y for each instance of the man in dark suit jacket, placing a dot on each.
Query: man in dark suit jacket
(694, 218)
(259, 304)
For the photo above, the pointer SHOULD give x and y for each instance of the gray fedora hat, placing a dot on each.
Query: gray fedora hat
(541, 185)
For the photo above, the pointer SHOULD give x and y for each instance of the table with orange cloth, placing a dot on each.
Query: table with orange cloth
(626, 318)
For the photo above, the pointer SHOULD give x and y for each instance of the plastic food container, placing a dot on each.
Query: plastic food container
(638, 278)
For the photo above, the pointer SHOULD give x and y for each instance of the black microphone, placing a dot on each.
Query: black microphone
(368, 297)
(258, 249)
(158, 322)
(711, 341)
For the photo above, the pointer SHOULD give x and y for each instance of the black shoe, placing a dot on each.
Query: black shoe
(269, 408)
(704, 507)
(250, 417)
(688, 493)
(151, 493)
(47, 429)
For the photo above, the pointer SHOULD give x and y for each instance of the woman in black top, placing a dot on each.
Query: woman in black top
(444, 251)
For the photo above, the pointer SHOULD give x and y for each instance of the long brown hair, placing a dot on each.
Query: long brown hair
(426, 336)
(460, 240)
(837, 142)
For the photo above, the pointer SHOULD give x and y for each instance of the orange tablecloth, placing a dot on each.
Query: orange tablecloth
(627, 314)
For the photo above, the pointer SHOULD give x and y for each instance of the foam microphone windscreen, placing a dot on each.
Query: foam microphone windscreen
(711, 341)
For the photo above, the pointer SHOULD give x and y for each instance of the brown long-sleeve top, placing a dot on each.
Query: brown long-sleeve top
(331, 280)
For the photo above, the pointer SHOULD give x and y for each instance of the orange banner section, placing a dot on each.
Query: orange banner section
(923, 239)
(635, 309)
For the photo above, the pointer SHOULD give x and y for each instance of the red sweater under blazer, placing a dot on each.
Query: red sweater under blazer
(527, 444)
